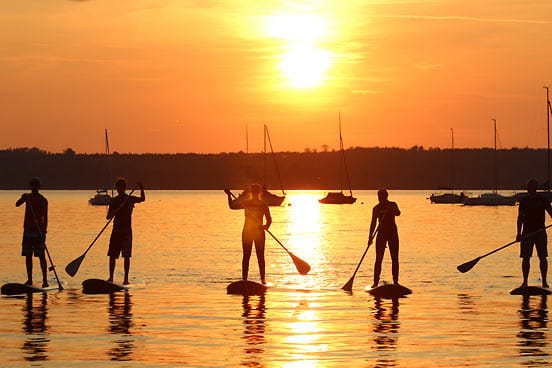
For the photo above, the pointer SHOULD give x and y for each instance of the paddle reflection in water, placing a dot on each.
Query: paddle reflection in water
(254, 330)
(385, 330)
(35, 312)
(120, 323)
(532, 335)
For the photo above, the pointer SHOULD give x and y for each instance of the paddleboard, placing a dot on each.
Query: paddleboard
(531, 290)
(98, 286)
(246, 287)
(389, 291)
(15, 288)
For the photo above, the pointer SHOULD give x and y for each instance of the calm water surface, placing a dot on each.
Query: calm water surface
(187, 249)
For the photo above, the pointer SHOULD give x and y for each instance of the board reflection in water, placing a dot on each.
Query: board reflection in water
(120, 323)
(533, 318)
(385, 330)
(35, 313)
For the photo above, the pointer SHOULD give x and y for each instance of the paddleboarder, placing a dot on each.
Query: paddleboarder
(255, 209)
(384, 214)
(35, 225)
(120, 243)
(531, 219)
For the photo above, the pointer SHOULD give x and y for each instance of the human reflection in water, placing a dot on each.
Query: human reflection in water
(385, 330)
(35, 311)
(532, 335)
(254, 321)
(120, 323)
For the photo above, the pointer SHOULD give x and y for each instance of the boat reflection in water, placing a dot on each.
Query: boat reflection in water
(385, 328)
(254, 329)
(533, 342)
(120, 323)
(35, 312)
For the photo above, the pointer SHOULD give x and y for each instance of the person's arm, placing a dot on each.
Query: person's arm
(142, 197)
(232, 203)
(395, 209)
(519, 223)
(268, 218)
(21, 200)
(45, 220)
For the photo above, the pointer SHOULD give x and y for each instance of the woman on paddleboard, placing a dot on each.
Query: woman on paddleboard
(384, 213)
(253, 231)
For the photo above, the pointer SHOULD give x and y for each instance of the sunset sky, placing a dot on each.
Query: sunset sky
(189, 76)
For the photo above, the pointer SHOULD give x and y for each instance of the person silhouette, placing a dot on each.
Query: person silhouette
(253, 229)
(384, 214)
(531, 230)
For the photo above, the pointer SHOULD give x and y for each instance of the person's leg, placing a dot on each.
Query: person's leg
(544, 270)
(112, 261)
(29, 267)
(127, 269)
(380, 251)
(44, 269)
(525, 266)
(394, 252)
(247, 246)
(259, 251)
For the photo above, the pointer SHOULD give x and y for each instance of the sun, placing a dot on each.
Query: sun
(303, 62)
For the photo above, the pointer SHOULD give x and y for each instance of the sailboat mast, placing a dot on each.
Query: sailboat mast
(246, 139)
(108, 162)
(340, 158)
(264, 154)
(452, 158)
(495, 167)
(548, 112)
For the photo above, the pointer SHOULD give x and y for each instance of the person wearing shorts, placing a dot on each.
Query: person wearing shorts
(35, 225)
(531, 232)
(120, 243)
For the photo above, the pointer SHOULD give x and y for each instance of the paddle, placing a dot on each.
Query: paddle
(465, 267)
(302, 267)
(349, 284)
(73, 267)
(52, 267)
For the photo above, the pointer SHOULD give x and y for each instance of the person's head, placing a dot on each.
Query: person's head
(121, 185)
(255, 190)
(382, 195)
(34, 183)
(532, 186)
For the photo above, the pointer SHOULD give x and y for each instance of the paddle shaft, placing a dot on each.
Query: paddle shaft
(53, 267)
(364, 254)
(515, 241)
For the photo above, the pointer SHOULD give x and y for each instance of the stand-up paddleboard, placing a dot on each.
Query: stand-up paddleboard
(15, 288)
(98, 286)
(389, 291)
(246, 287)
(531, 290)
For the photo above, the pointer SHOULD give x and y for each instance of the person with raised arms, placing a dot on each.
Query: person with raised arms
(120, 243)
(255, 209)
(35, 226)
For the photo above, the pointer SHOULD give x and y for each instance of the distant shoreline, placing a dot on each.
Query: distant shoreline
(369, 168)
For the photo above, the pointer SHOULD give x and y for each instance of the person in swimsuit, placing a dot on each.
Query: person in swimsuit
(531, 230)
(384, 213)
(35, 226)
(253, 229)
(120, 243)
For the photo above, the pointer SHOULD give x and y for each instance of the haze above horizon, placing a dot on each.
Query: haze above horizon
(186, 76)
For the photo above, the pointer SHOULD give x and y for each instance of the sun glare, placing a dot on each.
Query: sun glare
(304, 62)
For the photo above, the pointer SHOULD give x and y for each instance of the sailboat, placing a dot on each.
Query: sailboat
(449, 197)
(340, 197)
(493, 198)
(270, 199)
(102, 197)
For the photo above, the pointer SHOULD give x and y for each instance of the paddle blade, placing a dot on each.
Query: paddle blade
(349, 285)
(73, 267)
(465, 267)
(302, 267)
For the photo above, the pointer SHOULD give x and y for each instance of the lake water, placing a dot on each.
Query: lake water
(187, 249)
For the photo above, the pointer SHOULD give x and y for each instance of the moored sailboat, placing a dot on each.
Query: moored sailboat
(340, 197)
(102, 197)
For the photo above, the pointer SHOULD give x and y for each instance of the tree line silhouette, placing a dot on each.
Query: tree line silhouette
(369, 168)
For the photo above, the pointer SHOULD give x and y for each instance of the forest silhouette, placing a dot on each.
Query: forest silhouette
(369, 168)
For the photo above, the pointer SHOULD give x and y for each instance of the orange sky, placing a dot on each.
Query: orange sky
(187, 76)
